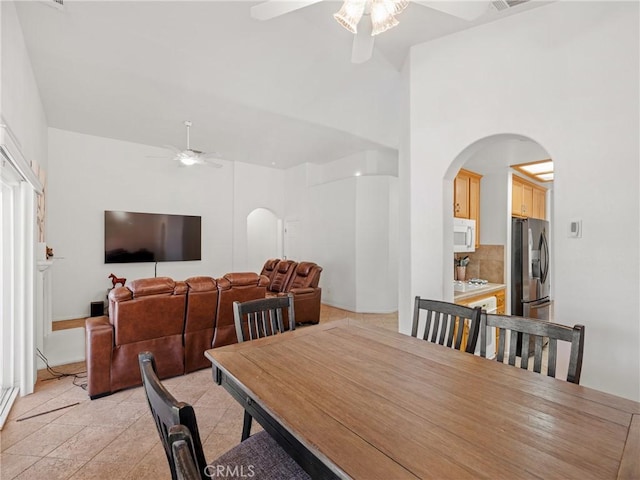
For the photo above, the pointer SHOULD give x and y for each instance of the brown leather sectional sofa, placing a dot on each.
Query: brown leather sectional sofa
(179, 320)
(176, 320)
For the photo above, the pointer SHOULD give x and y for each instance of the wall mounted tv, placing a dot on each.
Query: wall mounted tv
(151, 237)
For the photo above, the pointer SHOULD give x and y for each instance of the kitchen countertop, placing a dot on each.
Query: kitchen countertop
(463, 290)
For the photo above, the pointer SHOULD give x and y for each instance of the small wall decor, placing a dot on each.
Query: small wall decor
(115, 280)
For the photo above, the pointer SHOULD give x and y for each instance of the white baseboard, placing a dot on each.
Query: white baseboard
(71, 317)
(351, 308)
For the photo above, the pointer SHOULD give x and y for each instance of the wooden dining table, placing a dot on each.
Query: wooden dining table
(348, 400)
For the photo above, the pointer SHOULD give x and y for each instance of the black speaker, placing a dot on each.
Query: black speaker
(97, 309)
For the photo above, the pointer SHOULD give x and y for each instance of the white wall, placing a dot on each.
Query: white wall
(375, 260)
(20, 105)
(264, 238)
(333, 240)
(348, 224)
(352, 239)
(298, 209)
(92, 174)
(566, 76)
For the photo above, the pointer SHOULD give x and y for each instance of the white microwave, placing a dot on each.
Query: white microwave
(464, 235)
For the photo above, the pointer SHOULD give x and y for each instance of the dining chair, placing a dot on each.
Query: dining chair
(445, 323)
(182, 453)
(262, 318)
(259, 454)
(533, 332)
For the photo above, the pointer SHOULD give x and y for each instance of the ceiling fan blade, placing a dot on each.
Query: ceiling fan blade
(362, 48)
(275, 8)
(172, 148)
(467, 10)
(209, 159)
(210, 155)
(209, 163)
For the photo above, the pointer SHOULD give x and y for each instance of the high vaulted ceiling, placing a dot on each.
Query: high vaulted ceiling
(276, 93)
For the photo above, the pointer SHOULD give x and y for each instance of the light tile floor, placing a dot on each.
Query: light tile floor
(114, 436)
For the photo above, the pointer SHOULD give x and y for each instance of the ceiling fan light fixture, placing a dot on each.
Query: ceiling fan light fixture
(350, 14)
(398, 6)
(188, 157)
(382, 16)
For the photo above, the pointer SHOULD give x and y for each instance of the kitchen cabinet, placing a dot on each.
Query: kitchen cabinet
(527, 199)
(461, 196)
(500, 310)
(466, 198)
(539, 203)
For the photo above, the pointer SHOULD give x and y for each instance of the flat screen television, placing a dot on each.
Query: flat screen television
(151, 237)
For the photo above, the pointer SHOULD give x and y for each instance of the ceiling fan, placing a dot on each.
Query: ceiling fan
(365, 31)
(189, 156)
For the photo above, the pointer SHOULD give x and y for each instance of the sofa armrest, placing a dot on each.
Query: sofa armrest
(99, 346)
(306, 304)
(302, 291)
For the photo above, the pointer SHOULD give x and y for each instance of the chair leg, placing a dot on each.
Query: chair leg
(246, 426)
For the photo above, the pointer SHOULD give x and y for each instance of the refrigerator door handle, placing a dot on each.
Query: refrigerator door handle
(538, 308)
(544, 252)
(545, 302)
(538, 302)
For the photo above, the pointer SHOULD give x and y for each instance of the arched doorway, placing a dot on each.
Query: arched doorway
(492, 157)
(264, 238)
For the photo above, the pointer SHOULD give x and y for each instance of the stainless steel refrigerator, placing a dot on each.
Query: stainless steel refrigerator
(530, 268)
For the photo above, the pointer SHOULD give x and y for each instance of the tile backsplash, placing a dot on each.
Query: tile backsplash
(486, 262)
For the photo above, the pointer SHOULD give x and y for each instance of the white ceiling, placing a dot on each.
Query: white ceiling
(276, 93)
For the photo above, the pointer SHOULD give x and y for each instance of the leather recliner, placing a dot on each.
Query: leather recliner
(269, 267)
(146, 315)
(303, 284)
(300, 279)
(235, 287)
(281, 274)
(280, 277)
(199, 321)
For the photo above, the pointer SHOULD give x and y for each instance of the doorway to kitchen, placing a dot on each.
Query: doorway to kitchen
(491, 159)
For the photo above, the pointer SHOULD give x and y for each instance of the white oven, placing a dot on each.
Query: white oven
(489, 305)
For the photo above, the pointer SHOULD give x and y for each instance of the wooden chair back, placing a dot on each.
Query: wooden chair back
(444, 323)
(533, 331)
(263, 317)
(168, 412)
(183, 453)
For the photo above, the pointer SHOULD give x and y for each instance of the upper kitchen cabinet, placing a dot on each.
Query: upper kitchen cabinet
(528, 199)
(466, 198)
